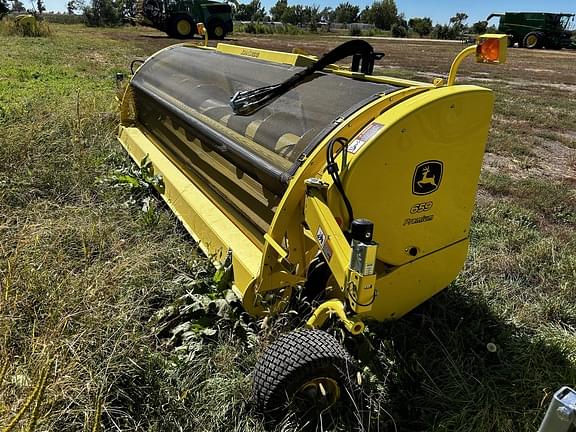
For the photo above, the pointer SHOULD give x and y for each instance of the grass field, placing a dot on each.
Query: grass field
(110, 318)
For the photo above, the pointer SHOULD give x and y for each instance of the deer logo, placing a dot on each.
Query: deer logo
(427, 177)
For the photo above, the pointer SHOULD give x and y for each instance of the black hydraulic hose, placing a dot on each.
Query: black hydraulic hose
(332, 168)
(249, 101)
(351, 297)
(133, 62)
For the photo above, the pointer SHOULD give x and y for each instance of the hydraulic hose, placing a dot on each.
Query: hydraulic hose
(249, 101)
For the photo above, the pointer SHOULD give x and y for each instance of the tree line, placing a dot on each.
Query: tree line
(17, 6)
(96, 12)
(382, 14)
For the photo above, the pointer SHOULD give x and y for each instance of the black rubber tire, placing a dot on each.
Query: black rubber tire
(554, 45)
(173, 27)
(293, 360)
(152, 9)
(533, 45)
(316, 279)
(511, 41)
(216, 29)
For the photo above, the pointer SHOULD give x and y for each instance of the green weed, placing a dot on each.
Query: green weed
(554, 201)
(263, 28)
(63, 18)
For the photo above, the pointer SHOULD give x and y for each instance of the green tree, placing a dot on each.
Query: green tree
(278, 9)
(327, 14)
(293, 15)
(258, 11)
(401, 20)
(384, 13)
(289, 16)
(252, 11)
(242, 12)
(399, 31)
(443, 32)
(311, 16)
(422, 26)
(457, 23)
(104, 13)
(346, 13)
(17, 6)
(479, 27)
(71, 7)
(3, 8)
(40, 6)
(366, 16)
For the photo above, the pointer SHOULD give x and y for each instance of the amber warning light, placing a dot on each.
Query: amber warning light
(491, 48)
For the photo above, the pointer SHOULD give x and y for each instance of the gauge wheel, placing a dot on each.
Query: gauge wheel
(181, 27)
(304, 370)
(216, 30)
(533, 40)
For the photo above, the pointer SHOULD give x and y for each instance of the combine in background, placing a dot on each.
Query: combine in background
(536, 29)
(178, 18)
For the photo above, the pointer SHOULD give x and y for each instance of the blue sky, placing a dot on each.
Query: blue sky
(439, 11)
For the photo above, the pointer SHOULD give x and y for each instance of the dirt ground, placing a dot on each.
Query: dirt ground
(547, 68)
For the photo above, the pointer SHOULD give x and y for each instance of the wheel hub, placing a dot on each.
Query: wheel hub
(183, 27)
(321, 390)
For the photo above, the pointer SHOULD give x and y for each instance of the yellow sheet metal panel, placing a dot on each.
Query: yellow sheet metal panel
(328, 234)
(207, 223)
(380, 78)
(287, 222)
(268, 55)
(414, 171)
(401, 290)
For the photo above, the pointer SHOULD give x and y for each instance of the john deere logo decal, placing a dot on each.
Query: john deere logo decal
(427, 177)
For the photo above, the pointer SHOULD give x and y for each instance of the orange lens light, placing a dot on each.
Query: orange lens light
(489, 50)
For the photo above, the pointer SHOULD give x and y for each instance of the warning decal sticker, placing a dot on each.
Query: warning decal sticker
(367, 133)
(324, 244)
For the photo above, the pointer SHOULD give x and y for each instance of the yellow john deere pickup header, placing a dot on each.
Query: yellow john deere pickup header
(296, 174)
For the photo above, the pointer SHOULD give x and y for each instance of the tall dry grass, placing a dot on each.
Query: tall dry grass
(10, 26)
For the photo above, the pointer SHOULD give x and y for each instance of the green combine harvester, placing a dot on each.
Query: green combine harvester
(537, 29)
(179, 18)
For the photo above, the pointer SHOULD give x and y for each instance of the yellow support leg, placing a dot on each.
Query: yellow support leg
(334, 307)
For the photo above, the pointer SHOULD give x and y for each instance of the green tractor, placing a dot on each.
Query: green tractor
(178, 18)
(536, 29)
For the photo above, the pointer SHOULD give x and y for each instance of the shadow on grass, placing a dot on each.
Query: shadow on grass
(452, 365)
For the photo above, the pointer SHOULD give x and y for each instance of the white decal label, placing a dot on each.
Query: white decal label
(367, 133)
